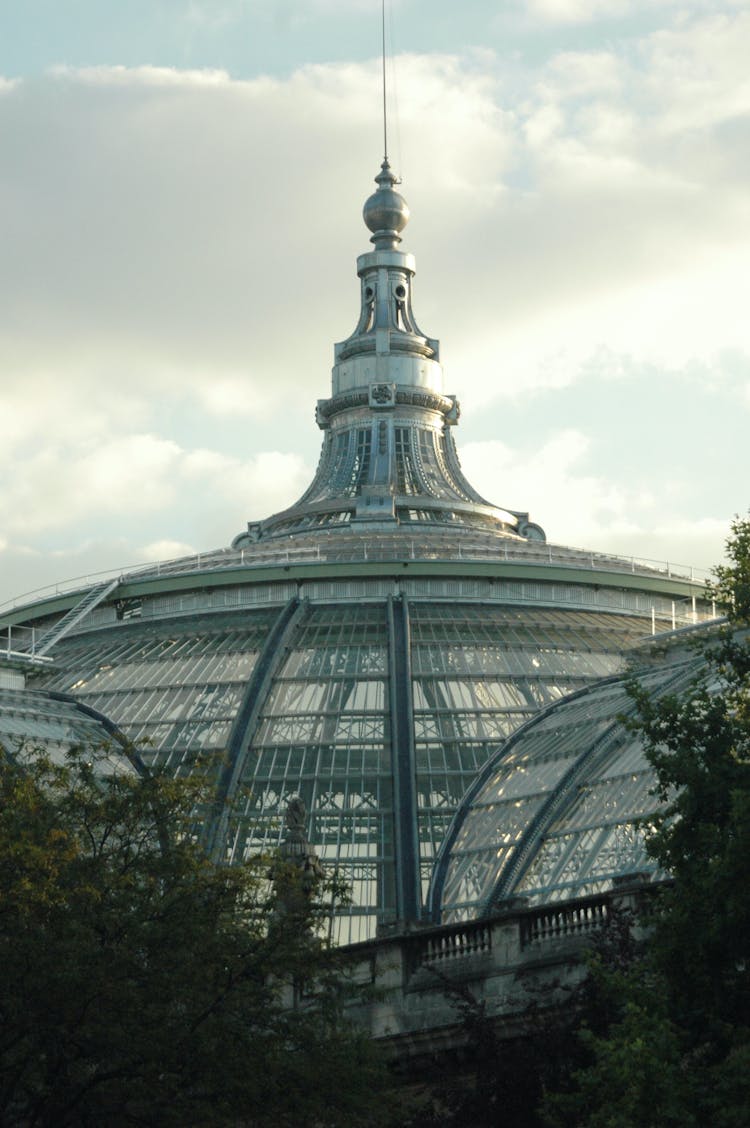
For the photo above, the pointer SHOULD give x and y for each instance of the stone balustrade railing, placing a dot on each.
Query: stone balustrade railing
(508, 963)
(568, 920)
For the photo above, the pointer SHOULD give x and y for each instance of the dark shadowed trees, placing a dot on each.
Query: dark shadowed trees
(677, 1048)
(142, 985)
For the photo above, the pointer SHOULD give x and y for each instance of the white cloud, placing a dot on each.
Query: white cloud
(580, 74)
(127, 476)
(254, 487)
(550, 481)
(165, 550)
(573, 12)
(583, 509)
(58, 485)
(698, 73)
(577, 11)
(231, 394)
(109, 76)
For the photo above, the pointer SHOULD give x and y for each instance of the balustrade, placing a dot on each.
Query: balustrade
(568, 920)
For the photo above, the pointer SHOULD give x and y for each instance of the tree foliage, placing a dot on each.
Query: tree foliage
(142, 985)
(677, 1048)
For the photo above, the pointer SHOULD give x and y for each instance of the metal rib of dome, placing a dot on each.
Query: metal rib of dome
(58, 723)
(388, 456)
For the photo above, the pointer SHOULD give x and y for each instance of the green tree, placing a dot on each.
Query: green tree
(677, 1048)
(142, 985)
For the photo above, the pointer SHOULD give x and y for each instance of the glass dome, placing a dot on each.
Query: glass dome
(58, 724)
(377, 701)
(369, 648)
(558, 811)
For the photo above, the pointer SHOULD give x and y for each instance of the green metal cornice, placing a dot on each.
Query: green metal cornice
(359, 569)
(352, 569)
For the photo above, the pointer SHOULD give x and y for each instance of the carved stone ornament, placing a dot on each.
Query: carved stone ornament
(382, 395)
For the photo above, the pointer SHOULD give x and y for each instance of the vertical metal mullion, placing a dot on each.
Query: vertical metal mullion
(403, 764)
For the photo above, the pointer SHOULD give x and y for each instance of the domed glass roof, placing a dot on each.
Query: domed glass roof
(368, 649)
(377, 711)
(557, 812)
(58, 724)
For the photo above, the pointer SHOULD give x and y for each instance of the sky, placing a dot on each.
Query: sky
(181, 186)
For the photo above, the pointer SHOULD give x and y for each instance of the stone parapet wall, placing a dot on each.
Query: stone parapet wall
(521, 963)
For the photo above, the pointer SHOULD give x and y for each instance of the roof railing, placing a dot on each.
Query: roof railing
(370, 550)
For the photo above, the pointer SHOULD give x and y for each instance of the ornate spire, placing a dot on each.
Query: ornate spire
(388, 455)
(386, 212)
(386, 325)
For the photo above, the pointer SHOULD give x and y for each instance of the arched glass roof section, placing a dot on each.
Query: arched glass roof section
(57, 723)
(554, 815)
(377, 711)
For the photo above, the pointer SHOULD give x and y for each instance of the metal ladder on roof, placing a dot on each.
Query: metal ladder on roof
(79, 611)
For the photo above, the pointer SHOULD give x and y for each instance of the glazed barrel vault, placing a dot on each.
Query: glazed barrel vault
(370, 648)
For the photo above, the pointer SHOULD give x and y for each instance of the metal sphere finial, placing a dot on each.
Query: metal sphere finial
(386, 212)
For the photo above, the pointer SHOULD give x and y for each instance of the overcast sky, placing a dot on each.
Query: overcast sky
(181, 187)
